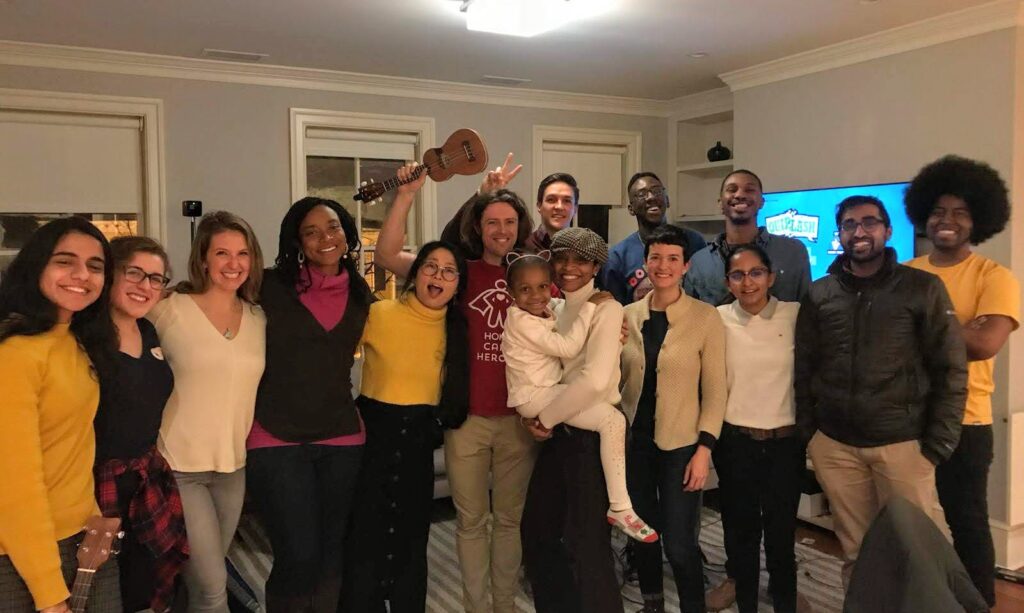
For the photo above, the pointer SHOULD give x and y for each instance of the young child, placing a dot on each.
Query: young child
(532, 348)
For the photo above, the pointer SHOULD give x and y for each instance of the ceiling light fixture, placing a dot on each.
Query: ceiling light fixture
(528, 17)
(698, 55)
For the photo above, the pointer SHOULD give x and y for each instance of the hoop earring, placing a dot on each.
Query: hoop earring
(301, 258)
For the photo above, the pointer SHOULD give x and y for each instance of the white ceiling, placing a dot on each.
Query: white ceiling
(640, 49)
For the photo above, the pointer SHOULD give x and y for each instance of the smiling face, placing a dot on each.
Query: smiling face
(557, 207)
(861, 243)
(665, 265)
(499, 227)
(749, 279)
(950, 224)
(228, 261)
(433, 289)
(573, 272)
(135, 299)
(741, 198)
(73, 276)
(530, 287)
(648, 201)
(323, 239)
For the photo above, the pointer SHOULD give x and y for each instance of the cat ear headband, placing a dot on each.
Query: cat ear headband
(513, 256)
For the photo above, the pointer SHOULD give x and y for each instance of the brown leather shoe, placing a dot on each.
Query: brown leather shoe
(721, 596)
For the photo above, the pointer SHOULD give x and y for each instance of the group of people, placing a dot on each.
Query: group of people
(561, 408)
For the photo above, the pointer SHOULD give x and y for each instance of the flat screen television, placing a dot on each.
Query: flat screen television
(810, 216)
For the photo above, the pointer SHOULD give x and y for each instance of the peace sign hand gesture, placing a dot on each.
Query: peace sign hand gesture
(500, 176)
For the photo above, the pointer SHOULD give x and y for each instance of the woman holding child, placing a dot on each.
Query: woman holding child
(566, 537)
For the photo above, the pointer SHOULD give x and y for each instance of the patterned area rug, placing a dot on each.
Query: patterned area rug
(818, 574)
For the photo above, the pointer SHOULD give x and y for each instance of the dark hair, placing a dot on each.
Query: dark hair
(124, 248)
(522, 263)
(470, 231)
(454, 404)
(852, 201)
(976, 183)
(25, 311)
(211, 225)
(559, 177)
(754, 248)
(667, 234)
(640, 175)
(289, 245)
(741, 171)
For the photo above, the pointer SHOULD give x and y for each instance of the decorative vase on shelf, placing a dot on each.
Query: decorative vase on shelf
(719, 153)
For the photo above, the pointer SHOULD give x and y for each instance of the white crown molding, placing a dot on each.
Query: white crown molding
(701, 104)
(150, 65)
(936, 30)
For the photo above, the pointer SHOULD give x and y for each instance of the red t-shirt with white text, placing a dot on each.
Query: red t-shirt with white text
(485, 303)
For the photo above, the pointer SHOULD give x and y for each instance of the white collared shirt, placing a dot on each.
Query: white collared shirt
(759, 364)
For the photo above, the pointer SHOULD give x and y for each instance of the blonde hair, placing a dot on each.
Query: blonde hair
(211, 225)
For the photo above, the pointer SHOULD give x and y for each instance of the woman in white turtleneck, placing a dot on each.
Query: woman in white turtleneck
(565, 533)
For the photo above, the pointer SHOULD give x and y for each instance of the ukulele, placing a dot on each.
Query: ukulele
(101, 533)
(463, 153)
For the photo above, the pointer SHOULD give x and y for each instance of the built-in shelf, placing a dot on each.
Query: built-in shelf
(707, 169)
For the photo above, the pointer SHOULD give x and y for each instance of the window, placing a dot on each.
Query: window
(50, 166)
(337, 152)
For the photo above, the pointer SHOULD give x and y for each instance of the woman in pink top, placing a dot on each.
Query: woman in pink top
(307, 441)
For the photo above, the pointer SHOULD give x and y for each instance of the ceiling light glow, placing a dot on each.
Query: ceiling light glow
(529, 17)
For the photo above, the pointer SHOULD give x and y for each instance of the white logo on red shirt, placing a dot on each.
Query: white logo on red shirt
(492, 304)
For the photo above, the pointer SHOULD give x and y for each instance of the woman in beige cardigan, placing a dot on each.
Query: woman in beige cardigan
(674, 395)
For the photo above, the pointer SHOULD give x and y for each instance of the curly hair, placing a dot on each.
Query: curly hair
(471, 233)
(289, 245)
(976, 183)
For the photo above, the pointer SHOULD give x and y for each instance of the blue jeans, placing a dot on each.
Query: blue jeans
(655, 482)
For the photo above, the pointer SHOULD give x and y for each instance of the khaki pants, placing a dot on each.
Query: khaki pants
(859, 481)
(497, 452)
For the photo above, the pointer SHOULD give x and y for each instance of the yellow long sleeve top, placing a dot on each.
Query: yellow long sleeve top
(48, 398)
(404, 345)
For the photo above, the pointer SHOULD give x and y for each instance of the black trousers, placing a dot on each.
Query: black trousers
(962, 482)
(135, 561)
(567, 548)
(303, 495)
(387, 545)
(759, 488)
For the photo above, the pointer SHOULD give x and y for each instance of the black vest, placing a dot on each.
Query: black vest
(305, 394)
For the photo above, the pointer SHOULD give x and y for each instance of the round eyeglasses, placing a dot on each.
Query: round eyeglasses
(431, 269)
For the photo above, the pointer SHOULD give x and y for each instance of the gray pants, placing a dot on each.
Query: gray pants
(104, 597)
(212, 503)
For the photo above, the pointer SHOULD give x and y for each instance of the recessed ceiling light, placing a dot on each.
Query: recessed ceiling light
(697, 55)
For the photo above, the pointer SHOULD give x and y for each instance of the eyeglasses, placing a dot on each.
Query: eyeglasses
(641, 195)
(136, 275)
(431, 269)
(868, 223)
(755, 274)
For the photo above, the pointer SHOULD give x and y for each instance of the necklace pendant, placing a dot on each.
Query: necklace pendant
(228, 334)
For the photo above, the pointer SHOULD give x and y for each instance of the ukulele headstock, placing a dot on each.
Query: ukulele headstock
(370, 192)
(101, 536)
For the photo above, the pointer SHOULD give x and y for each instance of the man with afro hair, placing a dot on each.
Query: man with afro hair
(958, 203)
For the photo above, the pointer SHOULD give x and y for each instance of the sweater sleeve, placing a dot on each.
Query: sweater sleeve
(600, 364)
(536, 336)
(27, 532)
(713, 383)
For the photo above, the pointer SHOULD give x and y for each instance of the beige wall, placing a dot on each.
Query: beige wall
(228, 144)
(880, 121)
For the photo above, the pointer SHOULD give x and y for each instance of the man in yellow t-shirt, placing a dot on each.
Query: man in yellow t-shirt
(960, 202)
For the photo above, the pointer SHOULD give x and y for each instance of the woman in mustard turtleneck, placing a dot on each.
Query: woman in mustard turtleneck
(55, 336)
(416, 362)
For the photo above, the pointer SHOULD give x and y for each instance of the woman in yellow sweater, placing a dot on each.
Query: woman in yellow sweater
(414, 383)
(55, 335)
